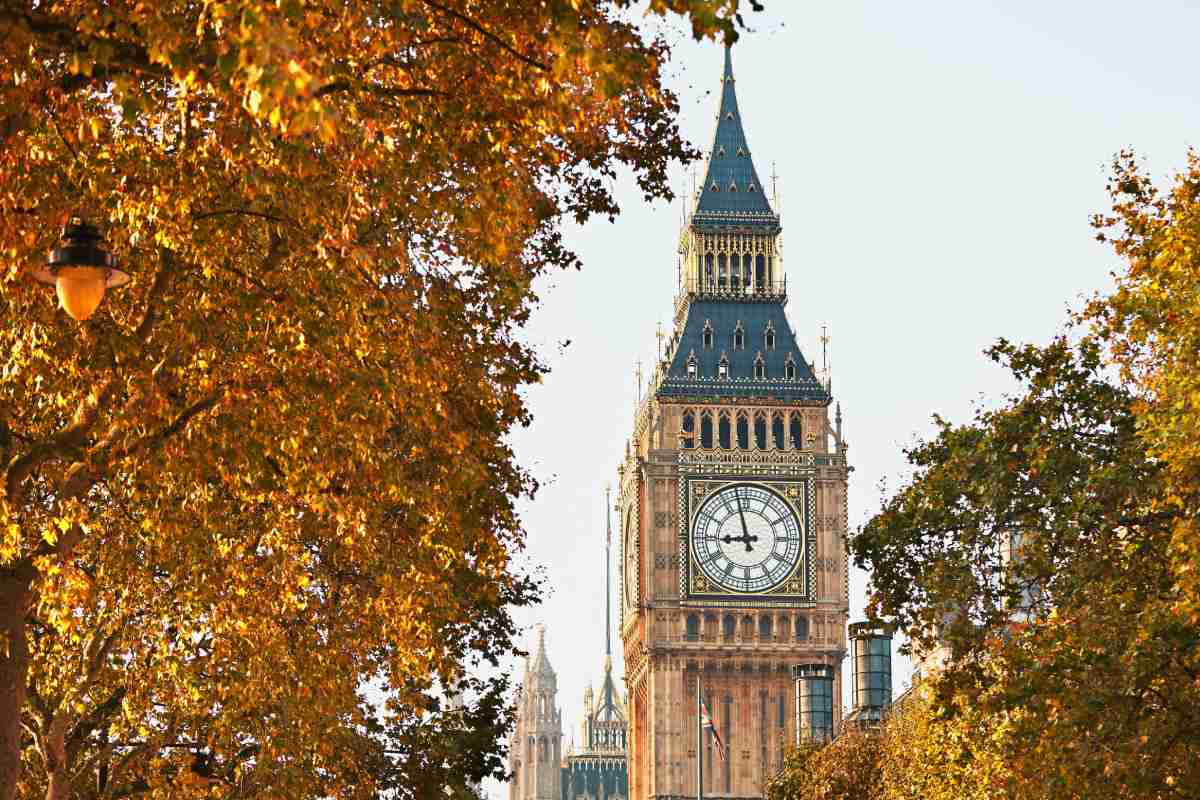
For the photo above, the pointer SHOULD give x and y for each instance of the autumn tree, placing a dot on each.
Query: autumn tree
(1151, 326)
(274, 469)
(1034, 543)
(846, 769)
(917, 752)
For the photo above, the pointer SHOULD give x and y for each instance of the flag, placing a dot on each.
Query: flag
(706, 723)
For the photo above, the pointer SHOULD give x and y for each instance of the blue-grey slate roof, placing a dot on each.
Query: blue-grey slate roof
(732, 193)
(723, 317)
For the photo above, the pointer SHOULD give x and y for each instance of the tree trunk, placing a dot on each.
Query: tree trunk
(58, 785)
(15, 585)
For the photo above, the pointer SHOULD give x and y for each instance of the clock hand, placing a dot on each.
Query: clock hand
(742, 517)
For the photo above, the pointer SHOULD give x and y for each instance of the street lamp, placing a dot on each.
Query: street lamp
(81, 269)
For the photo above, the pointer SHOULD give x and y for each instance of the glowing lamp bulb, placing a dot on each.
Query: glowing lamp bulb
(80, 290)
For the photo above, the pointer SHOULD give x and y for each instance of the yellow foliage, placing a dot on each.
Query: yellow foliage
(275, 466)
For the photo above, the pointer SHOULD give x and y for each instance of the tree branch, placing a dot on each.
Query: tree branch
(64, 444)
(344, 84)
(166, 267)
(473, 25)
(153, 440)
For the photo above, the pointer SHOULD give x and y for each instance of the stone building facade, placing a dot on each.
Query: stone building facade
(732, 501)
(535, 746)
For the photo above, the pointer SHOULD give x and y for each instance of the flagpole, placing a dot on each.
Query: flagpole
(699, 741)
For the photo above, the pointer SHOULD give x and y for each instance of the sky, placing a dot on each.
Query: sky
(938, 164)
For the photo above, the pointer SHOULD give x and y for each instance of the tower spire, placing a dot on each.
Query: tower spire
(732, 192)
(607, 574)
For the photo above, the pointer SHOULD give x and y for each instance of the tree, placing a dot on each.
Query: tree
(916, 753)
(846, 769)
(1151, 325)
(275, 468)
(1066, 649)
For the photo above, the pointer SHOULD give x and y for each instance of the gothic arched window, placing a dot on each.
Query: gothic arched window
(708, 270)
(739, 337)
(735, 271)
(760, 431)
(723, 431)
(764, 627)
(760, 367)
(760, 270)
(794, 432)
(691, 365)
(727, 626)
(723, 367)
(722, 271)
(777, 431)
(743, 432)
(706, 433)
(769, 337)
(707, 335)
(693, 627)
(688, 430)
(785, 627)
(789, 368)
(801, 628)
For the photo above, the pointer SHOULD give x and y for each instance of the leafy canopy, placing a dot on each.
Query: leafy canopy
(1032, 544)
(275, 467)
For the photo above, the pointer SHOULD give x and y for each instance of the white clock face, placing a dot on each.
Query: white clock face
(746, 538)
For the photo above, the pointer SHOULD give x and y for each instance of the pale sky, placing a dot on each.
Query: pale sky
(938, 163)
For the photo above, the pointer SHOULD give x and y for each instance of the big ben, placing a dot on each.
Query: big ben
(732, 504)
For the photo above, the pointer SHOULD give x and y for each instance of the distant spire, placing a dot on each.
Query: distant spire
(541, 663)
(607, 571)
(838, 420)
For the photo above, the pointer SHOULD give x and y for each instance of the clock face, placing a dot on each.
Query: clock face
(629, 549)
(746, 538)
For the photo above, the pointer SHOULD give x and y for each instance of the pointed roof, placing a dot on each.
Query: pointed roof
(740, 377)
(609, 707)
(732, 193)
(541, 664)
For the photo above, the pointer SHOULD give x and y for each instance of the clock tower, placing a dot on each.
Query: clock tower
(732, 504)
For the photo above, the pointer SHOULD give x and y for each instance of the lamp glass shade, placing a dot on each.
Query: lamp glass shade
(80, 290)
